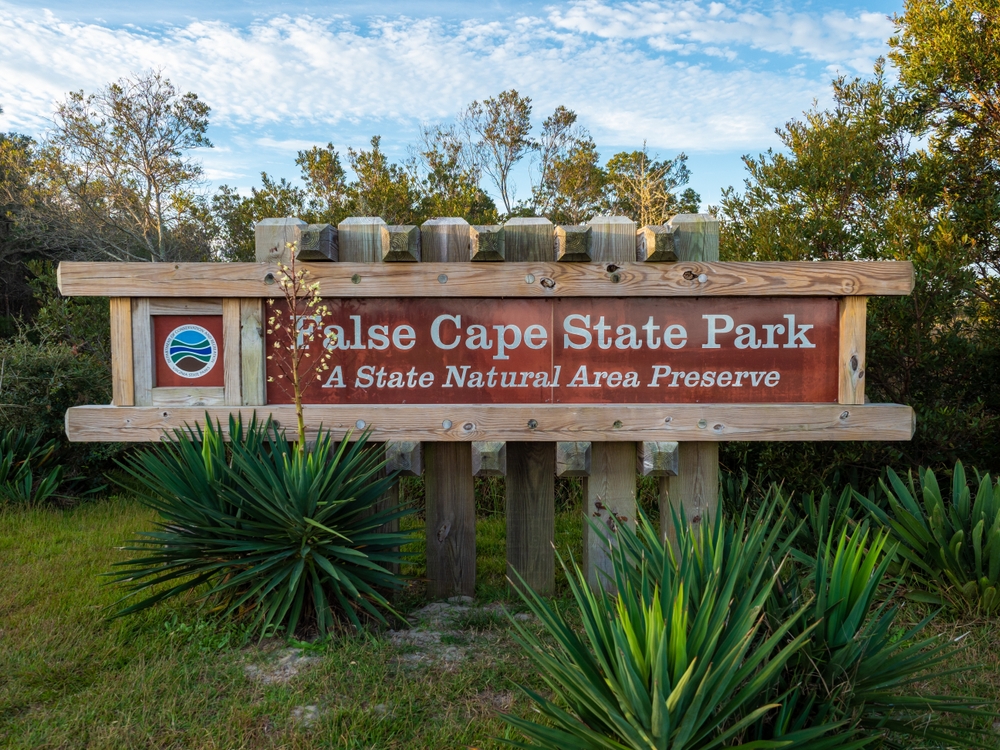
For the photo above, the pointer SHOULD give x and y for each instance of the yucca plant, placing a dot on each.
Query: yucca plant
(856, 667)
(950, 547)
(260, 529)
(677, 658)
(28, 472)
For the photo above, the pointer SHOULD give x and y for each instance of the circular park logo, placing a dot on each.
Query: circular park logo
(190, 351)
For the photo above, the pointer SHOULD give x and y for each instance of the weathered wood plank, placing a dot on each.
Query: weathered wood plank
(655, 245)
(573, 244)
(554, 422)
(184, 306)
(693, 494)
(696, 237)
(572, 459)
(489, 458)
(360, 239)
(143, 367)
(530, 484)
(486, 243)
(531, 514)
(609, 489)
(252, 378)
(319, 242)
(451, 519)
(401, 243)
(190, 396)
(448, 487)
(122, 384)
(853, 331)
(272, 238)
(231, 338)
(681, 279)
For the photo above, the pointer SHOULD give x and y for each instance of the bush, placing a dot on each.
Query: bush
(951, 550)
(265, 532)
(730, 643)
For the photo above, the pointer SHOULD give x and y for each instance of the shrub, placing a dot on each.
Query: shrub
(264, 531)
(28, 472)
(729, 643)
(951, 549)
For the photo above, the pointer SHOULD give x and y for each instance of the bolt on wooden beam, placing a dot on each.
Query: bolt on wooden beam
(406, 457)
(489, 458)
(572, 459)
(573, 244)
(401, 243)
(655, 245)
(318, 242)
(273, 236)
(657, 459)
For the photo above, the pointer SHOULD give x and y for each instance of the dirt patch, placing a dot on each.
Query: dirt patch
(287, 665)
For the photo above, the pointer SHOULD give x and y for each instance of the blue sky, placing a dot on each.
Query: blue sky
(712, 79)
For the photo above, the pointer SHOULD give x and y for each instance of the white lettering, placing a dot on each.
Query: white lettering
(436, 331)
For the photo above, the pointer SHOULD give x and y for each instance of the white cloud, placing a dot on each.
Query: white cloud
(633, 71)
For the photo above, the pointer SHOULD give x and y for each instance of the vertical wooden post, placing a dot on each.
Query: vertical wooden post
(448, 486)
(253, 381)
(694, 493)
(272, 237)
(231, 336)
(609, 491)
(853, 332)
(122, 385)
(531, 467)
(142, 352)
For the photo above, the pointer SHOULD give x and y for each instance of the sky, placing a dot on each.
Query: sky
(710, 79)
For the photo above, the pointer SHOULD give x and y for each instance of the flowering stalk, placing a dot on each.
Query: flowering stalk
(304, 305)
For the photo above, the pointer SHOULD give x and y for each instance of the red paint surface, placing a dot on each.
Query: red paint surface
(162, 326)
(804, 375)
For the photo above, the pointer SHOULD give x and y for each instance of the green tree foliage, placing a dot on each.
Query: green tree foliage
(450, 185)
(120, 161)
(381, 188)
(883, 175)
(646, 189)
(234, 215)
(571, 182)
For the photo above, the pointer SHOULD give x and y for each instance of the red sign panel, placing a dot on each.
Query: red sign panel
(606, 350)
(187, 350)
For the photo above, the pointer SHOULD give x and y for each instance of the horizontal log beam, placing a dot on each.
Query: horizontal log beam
(768, 279)
(534, 422)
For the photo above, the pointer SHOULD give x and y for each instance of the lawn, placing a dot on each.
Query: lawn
(170, 677)
(69, 677)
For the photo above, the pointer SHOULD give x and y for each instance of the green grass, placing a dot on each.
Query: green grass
(173, 677)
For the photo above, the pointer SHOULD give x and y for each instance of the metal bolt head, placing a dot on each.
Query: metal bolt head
(269, 278)
(702, 424)
(446, 424)
(529, 279)
(532, 424)
(360, 424)
(443, 278)
(702, 278)
(356, 278)
(618, 424)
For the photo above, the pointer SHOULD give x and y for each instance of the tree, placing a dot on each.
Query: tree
(381, 188)
(326, 182)
(856, 182)
(121, 160)
(234, 216)
(571, 182)
(948, 58)
(499, 130)
(449, 176)
(645, 189)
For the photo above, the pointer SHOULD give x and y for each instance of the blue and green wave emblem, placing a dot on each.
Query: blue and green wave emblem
(190, 351)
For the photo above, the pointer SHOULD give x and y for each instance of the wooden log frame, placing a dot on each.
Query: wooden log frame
(436, 277)
(531, 259)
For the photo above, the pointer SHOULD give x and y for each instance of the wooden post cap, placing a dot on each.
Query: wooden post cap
(318, 242)
(657, 459)
(273, 236)
(489, 458)
(573, 244)
(572, 459)
(655, 245)
(696, 237)
(401, 243)
(406, 457)
(486, 242)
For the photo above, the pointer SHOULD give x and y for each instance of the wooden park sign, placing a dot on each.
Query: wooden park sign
(586, 351)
